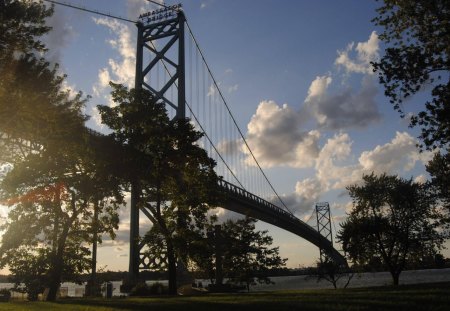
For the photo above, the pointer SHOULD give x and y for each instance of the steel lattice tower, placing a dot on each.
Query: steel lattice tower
(160, 42)
(324, 225)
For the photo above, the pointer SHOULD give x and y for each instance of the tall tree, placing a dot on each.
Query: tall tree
(439, 169)
(243, 254)
(175, 176)
(417, 35)
(51, 196)
(393, 219)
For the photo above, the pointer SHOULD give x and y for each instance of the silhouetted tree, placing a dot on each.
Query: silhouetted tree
(333, 272)
(174, 175)
(439, 169)
(246, 254)
(51, 197)
(393, 219)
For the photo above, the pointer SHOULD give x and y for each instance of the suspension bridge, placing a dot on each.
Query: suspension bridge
(172, 66)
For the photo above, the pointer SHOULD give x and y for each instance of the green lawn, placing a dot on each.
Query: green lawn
(409, 297)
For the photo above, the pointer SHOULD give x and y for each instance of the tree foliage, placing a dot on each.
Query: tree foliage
(334, 273)
(393, 219)
(28, 83)
(245, 253)
(417, 34)
(173, 175)
(51, 197)
(439, 169)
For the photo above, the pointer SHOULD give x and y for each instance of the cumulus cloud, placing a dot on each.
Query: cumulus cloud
(121, 69)
(229, 147)
(307, 192)
(366, 52)
(275, 137)
(336, 167)
(398, 156)
(317, 89)
(344, 109)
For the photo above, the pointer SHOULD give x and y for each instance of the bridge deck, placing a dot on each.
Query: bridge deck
(243, 202)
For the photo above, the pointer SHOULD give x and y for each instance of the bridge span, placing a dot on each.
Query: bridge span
(243, 202)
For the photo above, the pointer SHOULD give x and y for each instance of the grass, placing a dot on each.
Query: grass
(434, 296)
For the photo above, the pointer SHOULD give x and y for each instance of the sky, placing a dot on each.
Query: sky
(297, 77)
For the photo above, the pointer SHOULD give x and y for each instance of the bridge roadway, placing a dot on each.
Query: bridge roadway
(246, 203)
(243, 202)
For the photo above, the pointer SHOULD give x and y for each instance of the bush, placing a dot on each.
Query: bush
(142, 289)
(158, 289)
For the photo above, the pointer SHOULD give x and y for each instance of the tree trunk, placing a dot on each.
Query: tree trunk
(55, 279)
(395, 277)
(57, 262)
(172, 269)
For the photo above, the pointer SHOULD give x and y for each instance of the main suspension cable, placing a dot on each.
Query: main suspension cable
(91, 11)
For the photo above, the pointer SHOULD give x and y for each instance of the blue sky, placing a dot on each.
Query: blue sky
(294, 72)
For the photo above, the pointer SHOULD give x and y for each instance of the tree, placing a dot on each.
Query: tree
(393, 219)
(416, 60)
(51, 196)
(439, 169)
(173, 176)
(248, 256)
(245, 254)
(22, 22)
(28, 83)
(332, 272)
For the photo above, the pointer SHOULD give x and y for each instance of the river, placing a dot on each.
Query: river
(297, 282)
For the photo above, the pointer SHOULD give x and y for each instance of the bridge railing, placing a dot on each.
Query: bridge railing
(235, 190)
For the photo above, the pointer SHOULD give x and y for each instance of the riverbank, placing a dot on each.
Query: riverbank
(434, 296)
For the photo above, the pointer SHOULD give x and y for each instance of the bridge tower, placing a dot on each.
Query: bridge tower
(323, 216)
(160, 42)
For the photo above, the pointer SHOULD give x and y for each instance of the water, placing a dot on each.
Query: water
(296, 282)
(358, 280)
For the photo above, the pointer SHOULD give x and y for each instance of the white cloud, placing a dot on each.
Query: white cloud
(318, 88)
(103, 77)
(421, 179)
(233, 88)
(365, 53)
(398, 156)
(344, 109)
(229, 147)
(335, 169)
(212, 90)
(121, 69)
(275, 138)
